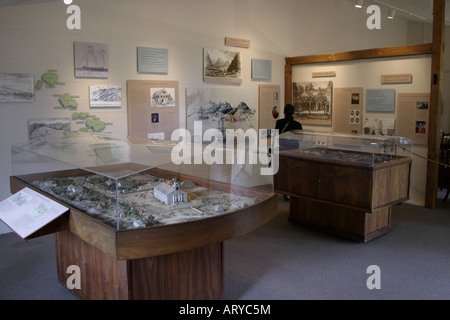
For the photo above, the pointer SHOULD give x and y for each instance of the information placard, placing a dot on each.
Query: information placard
(27, 211)
(380, 100)
(153, 60)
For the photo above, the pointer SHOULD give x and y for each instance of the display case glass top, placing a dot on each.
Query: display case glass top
(356, 149)
(126, 185)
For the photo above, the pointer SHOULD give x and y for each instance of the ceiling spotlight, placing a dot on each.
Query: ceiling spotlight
(391, 14)
(359, 3)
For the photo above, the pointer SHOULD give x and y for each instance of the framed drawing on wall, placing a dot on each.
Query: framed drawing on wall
(105, 96)
(15, 87)
(221, 66)
(91, 60)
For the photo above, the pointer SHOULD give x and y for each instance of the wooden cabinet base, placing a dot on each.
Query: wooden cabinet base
(188, 275)
(341, 221)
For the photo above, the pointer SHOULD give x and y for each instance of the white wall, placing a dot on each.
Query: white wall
(35, 38)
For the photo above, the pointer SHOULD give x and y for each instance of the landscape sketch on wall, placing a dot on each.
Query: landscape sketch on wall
(43, 127)
(218, 109)
(221, 66)
(312, 102)
(105, 96)
(91, 60)
(15, 87)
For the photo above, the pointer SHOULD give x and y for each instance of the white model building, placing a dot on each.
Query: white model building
(170, 194)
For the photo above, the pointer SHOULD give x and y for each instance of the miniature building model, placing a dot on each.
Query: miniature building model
(170, 194)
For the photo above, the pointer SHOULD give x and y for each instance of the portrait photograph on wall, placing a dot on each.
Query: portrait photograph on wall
(221, 66)
(312, 101)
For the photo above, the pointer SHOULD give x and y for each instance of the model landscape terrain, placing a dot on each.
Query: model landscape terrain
(137, 206)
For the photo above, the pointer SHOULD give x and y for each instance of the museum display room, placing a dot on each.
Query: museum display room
(143, 141)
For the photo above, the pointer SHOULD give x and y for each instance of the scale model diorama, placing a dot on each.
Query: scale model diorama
(144, 200)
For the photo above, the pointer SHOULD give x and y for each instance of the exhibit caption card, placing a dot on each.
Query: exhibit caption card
(27, 211)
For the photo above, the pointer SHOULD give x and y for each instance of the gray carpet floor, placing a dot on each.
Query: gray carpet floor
(281, 261)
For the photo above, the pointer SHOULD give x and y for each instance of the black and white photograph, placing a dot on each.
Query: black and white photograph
(16, 87)
(155, 117)
(221, 66)
(312, 101)
(91, 60)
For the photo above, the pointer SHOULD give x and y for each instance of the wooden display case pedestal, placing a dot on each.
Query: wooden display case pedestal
(194, 274)
(180, 261)
(345, 198)
(347, 223)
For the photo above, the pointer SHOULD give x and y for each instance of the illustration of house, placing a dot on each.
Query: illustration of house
(162, 97)
(170, 194)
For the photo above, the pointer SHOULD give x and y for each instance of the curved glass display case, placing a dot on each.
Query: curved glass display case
(127, 185)
(139, 209)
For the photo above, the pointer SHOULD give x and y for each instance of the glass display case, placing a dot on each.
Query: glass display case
(143, 211)
(343, 184)
(362, 149)
(127, 185)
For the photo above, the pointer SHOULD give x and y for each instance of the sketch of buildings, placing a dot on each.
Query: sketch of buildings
(170, 194)
(16, 87)
(163, 97)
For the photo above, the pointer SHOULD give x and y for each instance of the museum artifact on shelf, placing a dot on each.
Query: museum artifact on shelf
(139, 226)
(343, 184)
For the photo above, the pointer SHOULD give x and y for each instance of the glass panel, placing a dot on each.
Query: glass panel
(362, 149)
(127, 185)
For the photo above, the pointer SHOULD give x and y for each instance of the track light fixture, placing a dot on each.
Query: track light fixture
(391, 13)
(359, 4)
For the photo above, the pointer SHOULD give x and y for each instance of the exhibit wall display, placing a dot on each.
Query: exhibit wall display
(413, 116)
(152, 109)
(393, 108)
(348, 110)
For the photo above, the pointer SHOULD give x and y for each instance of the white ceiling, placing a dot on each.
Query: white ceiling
(421, 8)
